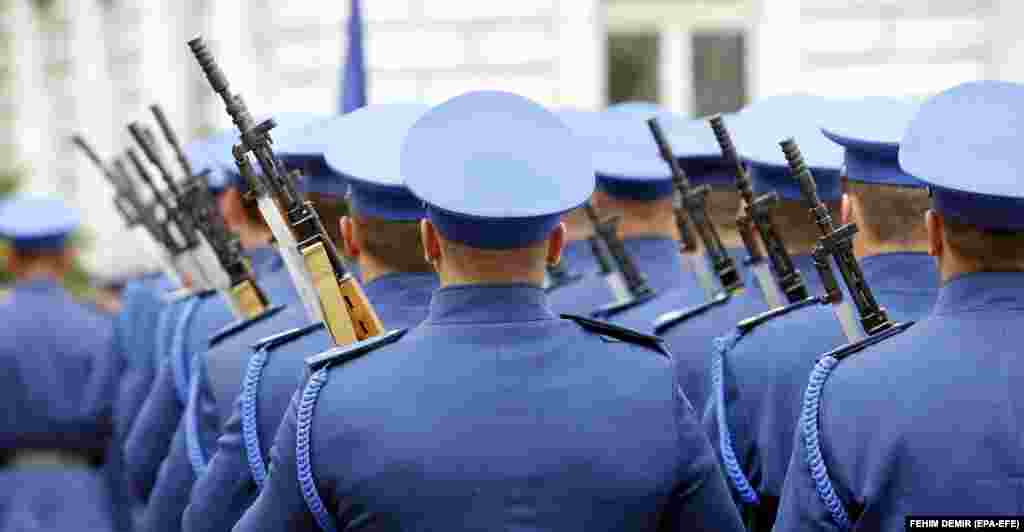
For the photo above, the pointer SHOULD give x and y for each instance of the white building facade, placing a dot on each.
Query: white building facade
(92, 66)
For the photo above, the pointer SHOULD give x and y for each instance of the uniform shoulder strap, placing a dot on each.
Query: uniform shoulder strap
(622, 334)
(810, 423)
(272, 342)
(750, 324)
(670, 319)
(238, 326)
(340, 355)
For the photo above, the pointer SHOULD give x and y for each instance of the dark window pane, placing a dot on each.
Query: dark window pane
(719, 72)
(632, 67)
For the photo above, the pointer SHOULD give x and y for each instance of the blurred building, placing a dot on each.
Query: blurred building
(94, 65)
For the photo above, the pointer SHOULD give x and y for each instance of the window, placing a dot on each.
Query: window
(719, 72)
(632, 67)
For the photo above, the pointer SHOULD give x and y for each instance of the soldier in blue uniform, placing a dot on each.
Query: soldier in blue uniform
(198, 317)
(59, 375)
(635, 185)
(761, 369)
(493, 413)
(756, 130)
(382, 234)
(928, 421)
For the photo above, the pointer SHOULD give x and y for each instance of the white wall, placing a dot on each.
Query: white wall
(122, 55)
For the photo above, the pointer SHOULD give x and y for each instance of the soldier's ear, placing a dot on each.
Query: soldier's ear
(348, 237)
(555, 244)
(933, 223)
(430, 240)
(845, 209)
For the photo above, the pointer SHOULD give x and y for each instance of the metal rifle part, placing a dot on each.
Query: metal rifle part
(637, 289)
(694, 200)
(347, 313)
(558, 275)
(607, 270)
(178, 246)
(286, 243)
(837, 242)
(757, 214)
(134, 210)
(242, 294)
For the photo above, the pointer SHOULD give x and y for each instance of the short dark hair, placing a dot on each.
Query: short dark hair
(396, 244)
(991, 250)
(891, 214)
(331, 208)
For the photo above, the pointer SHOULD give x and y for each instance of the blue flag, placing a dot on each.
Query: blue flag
(353, 83)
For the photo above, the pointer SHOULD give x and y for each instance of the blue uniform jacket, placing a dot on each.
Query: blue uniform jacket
(657, 258)
(494, 414)
(765, 372)
(59, 383)
(925, 422)
(227, 488)
(692, 341)
(199, 317)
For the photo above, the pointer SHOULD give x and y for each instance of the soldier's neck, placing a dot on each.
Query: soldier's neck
(253, 237)
(866, 247)
(454, 276)
(39, 272)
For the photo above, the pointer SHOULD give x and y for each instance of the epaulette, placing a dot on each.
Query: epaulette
(844, 351)
(340, 355)
(670, 319)
(241, 325)
(272, 342)
(615, 332)
(749, 324)
(612, 309)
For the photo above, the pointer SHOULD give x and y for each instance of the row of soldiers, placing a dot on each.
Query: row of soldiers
(489, 315)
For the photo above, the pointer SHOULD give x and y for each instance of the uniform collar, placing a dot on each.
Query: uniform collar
(264, 259)
(492, 303)
(981, 291)
(658, 258)
(38, 284)
(900, 272)
(397, 286)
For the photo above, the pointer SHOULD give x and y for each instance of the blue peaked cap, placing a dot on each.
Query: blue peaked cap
(202, 154)
(625, 157)
(37, 223)
(371, 166)
(758, 129)
(694, 146)
(495, 169)
(966, 144)
(870, 132)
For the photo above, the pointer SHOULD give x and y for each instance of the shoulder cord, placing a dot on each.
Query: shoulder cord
(809, 431)
(250, 427)
(303, 463)
(178, 360)
(196, 454)
(732, 467)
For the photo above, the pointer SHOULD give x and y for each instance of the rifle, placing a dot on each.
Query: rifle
(243, 294)
(626, 282)
(694, 201)
(191, 250)
(757, 214)
(837, 243)
(134, 211)
(339, 298)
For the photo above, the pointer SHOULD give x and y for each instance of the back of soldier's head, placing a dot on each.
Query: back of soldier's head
(889, 203)
(495, 171)
(964, 143)
(39, 231)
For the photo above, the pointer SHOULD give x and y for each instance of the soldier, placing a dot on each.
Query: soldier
(763, 370)
(199, 317)
(756, 129)
(927, 421)
(382, 234)
(58, 380)
(635, 185)
(494, 413)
